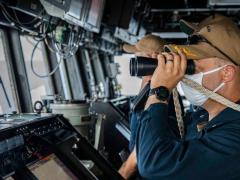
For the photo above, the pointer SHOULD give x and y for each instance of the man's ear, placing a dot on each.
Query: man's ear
(228, 73)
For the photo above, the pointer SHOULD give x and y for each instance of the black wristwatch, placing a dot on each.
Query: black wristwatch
(162, 93)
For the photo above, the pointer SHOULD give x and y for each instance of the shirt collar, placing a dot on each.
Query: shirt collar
(200, 115)
(227, 115)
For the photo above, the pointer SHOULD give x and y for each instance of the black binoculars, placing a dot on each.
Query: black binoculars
(144, 66)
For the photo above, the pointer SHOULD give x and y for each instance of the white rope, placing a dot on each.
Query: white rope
(178, 111)
(211, 94)
(206, 92)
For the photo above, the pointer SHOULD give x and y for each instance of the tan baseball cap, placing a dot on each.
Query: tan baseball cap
(148, 44)
(219, 37)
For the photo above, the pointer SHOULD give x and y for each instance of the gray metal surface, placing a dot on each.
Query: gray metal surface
(75, 78)
(64, 78)
(99, 74)
(89, 72)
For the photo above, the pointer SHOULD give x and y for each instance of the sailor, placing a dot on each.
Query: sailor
(210, 148)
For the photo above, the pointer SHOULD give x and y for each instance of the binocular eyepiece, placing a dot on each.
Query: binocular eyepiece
(144, 66)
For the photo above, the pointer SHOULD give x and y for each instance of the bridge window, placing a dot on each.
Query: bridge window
(39, 86)
(7, 98)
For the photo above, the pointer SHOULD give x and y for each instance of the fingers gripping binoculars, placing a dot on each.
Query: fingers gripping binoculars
(144, 66)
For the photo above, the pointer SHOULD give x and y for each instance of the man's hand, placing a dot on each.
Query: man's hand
(129, 168)
(170, 70)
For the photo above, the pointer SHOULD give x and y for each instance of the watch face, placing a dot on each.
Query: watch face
(162, 93)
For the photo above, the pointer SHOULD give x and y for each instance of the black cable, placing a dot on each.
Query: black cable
(66, 51)
(20, 25)
(13, 20)
(29, 22)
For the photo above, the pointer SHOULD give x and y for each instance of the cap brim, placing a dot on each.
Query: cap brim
(191, 28)
(197, 51)
(187, 27)
(130, 48)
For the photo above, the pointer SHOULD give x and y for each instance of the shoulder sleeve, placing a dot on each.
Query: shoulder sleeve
(134, 123)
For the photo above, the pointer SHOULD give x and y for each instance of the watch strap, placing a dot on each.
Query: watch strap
(162, 93)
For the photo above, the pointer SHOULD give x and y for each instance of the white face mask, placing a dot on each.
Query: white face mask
(193, 95)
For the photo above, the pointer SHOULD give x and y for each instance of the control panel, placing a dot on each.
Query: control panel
(18, 133)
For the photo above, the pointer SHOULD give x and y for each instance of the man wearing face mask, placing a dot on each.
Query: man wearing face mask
(211, 146)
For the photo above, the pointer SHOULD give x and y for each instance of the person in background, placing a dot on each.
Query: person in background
(145, 47)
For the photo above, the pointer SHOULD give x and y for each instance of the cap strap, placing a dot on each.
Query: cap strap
(214, 70)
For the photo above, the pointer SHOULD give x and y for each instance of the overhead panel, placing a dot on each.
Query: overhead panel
(84, 13)
(224, 2)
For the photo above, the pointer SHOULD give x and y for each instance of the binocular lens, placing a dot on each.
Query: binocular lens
(143, 66)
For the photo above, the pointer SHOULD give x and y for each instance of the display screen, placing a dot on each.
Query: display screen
(51, 168)
(95, 13)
